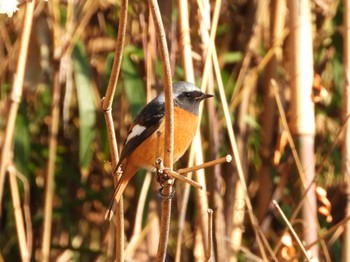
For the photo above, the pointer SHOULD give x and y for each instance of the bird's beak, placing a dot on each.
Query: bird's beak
(204, 96)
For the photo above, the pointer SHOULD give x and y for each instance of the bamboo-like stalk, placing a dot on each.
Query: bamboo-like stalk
(302, 122)
(50, 183)
(16, 95)
(23, 247)
(346, 112)
(167, 191)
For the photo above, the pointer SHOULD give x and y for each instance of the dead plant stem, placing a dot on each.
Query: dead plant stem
(294, 234)
(210, 235)
(236, 155)
(167, 191)
(225, 159)
(21, 232)
(50, 178)
(16, 95)
(106, 105)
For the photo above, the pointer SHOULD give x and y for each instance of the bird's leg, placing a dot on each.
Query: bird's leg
(162, 176)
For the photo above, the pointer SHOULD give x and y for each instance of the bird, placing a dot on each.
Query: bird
(145, 141)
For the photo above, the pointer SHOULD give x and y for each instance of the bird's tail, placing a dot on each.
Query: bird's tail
(127, 174)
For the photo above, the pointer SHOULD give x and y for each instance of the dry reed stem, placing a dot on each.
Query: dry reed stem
(21, 232)
(118, 54)
(137, 239)
(141, 203)
(294, 234)
(16, 95)
(139, 213)
(54, 11)
(249, 255)
(89, 10)
(201, 197)
(26, 210)
(182, 178)
(333, 229)
(306, 187)
(210, 235)
(185, 41)
(50, 182)
(212, 53)
(252, 76)
(236, 157)
(182, 211)
(289, 135)
(106, 106)
(167, 191)
(225, 159)
(186, 54)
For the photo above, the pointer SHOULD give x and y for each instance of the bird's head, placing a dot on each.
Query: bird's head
(188, 96)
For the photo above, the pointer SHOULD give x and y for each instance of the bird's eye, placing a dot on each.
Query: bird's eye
(187, 94)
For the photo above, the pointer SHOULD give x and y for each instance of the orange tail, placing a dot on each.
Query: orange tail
(128, 173)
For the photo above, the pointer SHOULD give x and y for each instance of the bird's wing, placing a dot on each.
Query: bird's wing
(144, 125)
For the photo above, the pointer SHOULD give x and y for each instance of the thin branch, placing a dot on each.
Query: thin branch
(26, 210)
(294, 234)
(307, 187)
(50, 178)
(289, 136)
(210, 234)
(225, 159)
(16, 95)
(137, 239)
(118, 54)
(182, 178)
(167, 191)
(333, 229)
(106, 106)
(236, 156)
(25, 255)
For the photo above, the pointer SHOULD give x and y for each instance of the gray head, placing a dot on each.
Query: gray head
(187, 96)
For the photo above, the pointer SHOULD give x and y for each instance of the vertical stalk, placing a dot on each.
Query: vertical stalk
(346, 112)
(185, 43)
(106, 107)
(23, 247)
(167, 191)
(50, 179)
(302, 108)
(16, 95)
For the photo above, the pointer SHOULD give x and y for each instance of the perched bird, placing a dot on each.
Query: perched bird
(145, 141)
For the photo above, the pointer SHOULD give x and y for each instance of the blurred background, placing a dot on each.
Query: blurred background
(60, 133)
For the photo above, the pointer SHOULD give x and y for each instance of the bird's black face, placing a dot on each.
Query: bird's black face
(190, 98)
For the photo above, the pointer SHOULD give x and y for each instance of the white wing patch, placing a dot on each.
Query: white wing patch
(135, 131)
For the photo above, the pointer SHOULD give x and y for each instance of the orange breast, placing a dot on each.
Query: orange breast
(185, 125)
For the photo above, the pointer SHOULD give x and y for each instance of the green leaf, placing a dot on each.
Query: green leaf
(134, 85)
(22, 144)
(87, 110)
(232, 57)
